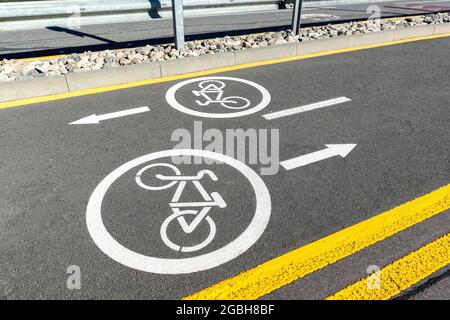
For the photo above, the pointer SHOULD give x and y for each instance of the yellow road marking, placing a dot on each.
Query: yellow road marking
(401, 274)
(24, 102)
(42, 58)
(300, 262)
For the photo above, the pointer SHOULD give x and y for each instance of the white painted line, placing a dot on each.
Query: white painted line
(309, 107)
(331, 150)
(94, 119)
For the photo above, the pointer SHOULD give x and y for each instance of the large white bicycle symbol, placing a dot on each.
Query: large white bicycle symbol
(117, 251)
(215, 87)
(211, 200)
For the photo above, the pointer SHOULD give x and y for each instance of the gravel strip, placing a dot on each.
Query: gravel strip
(11, 70)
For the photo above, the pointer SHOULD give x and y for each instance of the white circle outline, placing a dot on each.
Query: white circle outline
(134, 260)
(172, 101)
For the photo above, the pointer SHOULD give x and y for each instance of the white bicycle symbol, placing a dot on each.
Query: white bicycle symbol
(215, 87)
(211, 200)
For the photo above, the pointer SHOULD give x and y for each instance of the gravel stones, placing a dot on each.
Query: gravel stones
(11, 70)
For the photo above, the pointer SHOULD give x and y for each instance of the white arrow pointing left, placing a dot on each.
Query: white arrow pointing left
(95, 119)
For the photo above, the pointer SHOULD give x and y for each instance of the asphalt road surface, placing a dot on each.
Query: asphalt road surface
(58, 40)
(126, 237)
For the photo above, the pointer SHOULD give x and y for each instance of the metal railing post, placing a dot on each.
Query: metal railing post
(297, 16)
(178, 23)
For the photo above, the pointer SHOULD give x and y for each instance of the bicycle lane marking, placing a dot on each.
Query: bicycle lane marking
(296, 264)
(129, 258)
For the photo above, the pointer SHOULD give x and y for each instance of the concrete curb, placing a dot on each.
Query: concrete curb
(442, 28)
(107, 77)
(418, 31)
(206, 62)
(322, 45)
(266, 53)
(371, 38)
(77, 81)
(24, 89)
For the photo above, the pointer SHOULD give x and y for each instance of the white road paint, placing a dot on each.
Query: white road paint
(331, 150)
(127, 257)
(95, 119)
(179, 209)
(309, 107)
(171, 99)
(177, 215)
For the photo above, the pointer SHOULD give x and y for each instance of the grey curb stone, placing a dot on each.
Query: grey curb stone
(107, 77)
(39, 87)
(371, 38)
(200, 63)
(266, 53)
(323, 45)
(442, 28)
(417, 31)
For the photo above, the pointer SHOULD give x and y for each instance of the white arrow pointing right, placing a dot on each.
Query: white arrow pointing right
(331, 150)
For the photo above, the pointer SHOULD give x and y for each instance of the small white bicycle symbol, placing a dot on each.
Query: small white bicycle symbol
(209, 91)
(209, 88)
(200, 209)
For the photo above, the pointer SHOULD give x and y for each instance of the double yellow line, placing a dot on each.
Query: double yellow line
(298, 263)
(401, 274)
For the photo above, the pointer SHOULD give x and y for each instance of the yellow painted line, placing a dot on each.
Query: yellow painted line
(28, 101)
(42, 58)
(289, 267)
(401, 274)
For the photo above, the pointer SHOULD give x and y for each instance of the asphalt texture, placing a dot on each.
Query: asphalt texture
(398, 116)
(59, 39)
